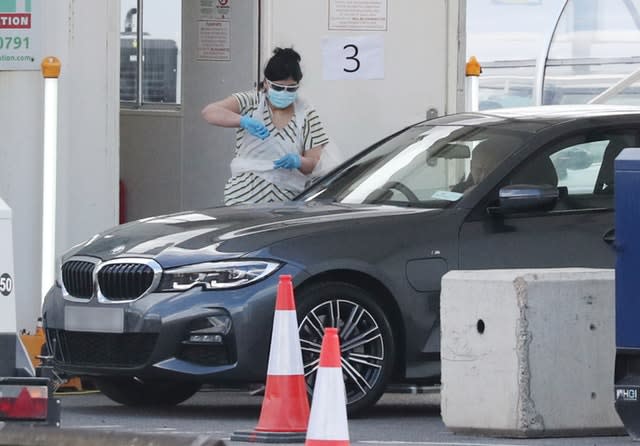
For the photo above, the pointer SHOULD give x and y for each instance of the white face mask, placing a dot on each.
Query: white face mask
(281, 95)
(281, 99)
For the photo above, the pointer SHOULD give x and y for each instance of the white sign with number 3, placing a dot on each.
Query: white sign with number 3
(353, 57)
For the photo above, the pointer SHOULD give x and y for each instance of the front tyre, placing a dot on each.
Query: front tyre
(137, 392)
(366, 339)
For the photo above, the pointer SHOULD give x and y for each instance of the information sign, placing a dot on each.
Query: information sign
(20, 36)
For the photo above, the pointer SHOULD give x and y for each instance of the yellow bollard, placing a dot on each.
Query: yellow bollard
(50, 67)
(473, 67)
(472, 86)
(50, 71)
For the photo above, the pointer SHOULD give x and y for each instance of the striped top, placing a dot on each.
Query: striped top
(250, 188)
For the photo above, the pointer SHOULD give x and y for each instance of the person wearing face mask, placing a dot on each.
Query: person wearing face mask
(279, 137)
(486, 156)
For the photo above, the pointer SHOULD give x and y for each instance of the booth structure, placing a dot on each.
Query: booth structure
(13, 357)
(23, 396)
(627, 367)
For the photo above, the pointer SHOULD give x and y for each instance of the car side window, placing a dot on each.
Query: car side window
(578, 165)
(582, 168)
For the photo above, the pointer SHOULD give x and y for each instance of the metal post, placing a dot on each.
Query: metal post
(541, 61)
(50, 71)
(472, 72)
(616, 88)
(140, 55)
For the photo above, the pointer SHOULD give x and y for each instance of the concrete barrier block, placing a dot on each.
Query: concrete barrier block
(529, 353)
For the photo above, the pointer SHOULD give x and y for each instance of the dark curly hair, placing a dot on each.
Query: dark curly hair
(284, 63)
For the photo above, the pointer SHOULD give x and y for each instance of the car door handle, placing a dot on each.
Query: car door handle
(610, 236)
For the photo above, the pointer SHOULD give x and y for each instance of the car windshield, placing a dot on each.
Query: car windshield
(423, 166)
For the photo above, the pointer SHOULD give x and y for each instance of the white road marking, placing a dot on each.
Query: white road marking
(439, 443)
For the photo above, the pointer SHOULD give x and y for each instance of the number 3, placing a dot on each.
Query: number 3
(352, 57)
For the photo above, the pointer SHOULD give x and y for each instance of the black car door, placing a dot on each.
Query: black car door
(578, 231)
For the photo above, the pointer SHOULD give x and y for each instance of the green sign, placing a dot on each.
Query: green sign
(20, 36)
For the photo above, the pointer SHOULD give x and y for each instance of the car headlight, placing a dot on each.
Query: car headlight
(216, 275)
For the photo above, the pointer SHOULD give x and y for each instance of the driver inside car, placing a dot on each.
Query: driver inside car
(484, 159)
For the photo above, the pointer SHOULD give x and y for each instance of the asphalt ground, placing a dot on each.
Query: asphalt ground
(210, 417)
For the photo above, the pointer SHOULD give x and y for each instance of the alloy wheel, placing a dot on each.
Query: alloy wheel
(361, 345)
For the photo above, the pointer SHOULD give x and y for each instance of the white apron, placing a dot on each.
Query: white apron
(257, 155)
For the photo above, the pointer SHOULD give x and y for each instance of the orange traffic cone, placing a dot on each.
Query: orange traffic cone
(328, 420)
(285, 409)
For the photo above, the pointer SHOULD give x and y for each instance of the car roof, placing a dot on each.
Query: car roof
(564, 112)
(535, 118)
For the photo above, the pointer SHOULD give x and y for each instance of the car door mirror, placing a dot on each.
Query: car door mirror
(527, 197)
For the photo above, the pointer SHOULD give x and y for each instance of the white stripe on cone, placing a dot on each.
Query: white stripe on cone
(328, 418)
(285, 356)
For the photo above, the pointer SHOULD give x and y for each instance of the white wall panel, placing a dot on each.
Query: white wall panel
(83, 34)
(420, 55)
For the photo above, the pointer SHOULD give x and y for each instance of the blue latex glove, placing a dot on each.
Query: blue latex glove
(253, 126)
(288, 161)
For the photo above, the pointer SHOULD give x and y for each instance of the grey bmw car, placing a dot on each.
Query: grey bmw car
(153, 309)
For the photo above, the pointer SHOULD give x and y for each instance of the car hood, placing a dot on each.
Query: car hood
(227, 232)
